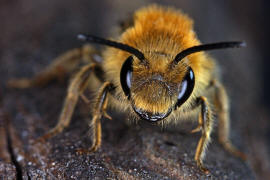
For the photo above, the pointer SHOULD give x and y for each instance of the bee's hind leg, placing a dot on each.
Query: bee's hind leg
(58, 69)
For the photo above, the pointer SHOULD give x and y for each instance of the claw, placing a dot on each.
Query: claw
(202, 168)
(234, 151)
(41, 140)
(85, 99)
(19, 83)
(197, 129)
(82, 151)
(106, 115)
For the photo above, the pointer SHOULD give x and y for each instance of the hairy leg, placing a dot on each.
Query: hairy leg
(58, 69)
(205, 126)
(222, 106)
(98, 112)
(76, 88)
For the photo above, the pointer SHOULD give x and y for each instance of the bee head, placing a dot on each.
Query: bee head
(152, 91)
(155, 89)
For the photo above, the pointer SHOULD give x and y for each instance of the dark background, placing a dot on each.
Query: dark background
(33, 32)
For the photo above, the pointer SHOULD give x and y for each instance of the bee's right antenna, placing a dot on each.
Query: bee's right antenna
(114, 44)
(206, 47)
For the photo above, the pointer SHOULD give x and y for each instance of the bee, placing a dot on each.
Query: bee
(157, 70)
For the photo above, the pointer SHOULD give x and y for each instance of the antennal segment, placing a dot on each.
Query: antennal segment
(124, 47)
(206, 47)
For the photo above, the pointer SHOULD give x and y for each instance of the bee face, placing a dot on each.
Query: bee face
(155, 89)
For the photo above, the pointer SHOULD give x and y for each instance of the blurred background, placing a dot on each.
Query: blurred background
(33, 32)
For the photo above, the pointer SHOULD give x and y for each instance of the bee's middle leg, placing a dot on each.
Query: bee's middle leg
(222, 106)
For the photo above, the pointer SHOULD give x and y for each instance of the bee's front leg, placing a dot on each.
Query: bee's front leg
(205, 126)
(99, 111)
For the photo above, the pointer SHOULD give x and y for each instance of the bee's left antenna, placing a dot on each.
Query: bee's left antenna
(124, 47)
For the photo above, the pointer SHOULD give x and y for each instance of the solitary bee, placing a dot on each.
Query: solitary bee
(157, 71)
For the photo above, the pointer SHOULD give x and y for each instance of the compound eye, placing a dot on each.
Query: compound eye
(126, 76)
(186, 88)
